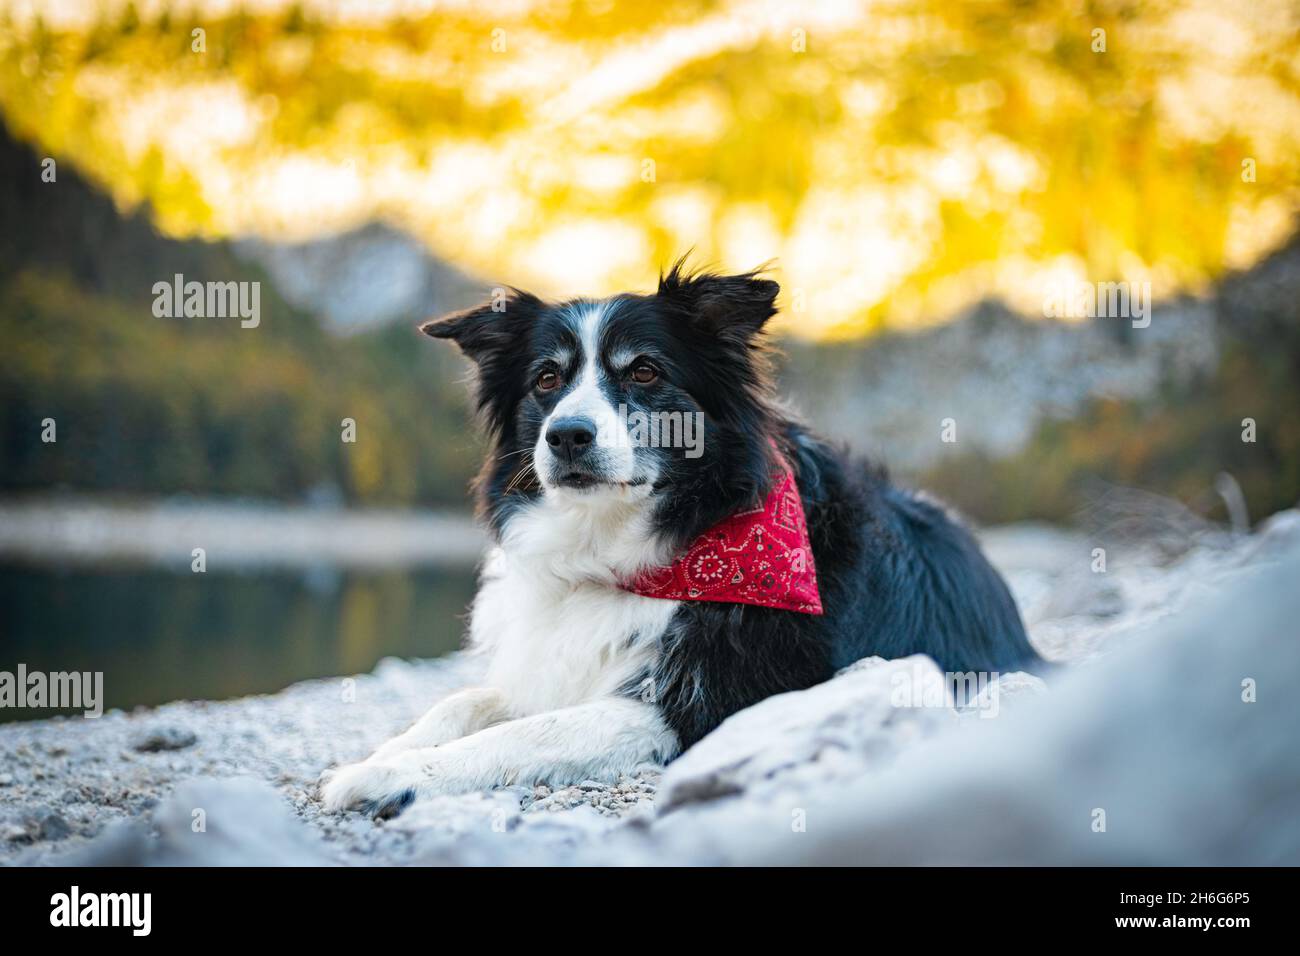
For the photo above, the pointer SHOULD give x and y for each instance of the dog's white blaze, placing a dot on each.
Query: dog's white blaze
(587, 400)
(586, 397)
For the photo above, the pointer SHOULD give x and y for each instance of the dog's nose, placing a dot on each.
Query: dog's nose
(570, 438)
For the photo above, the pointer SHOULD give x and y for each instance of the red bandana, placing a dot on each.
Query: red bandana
(762, 556)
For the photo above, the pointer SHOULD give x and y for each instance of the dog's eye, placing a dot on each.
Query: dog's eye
(547, 381)
(644, 373)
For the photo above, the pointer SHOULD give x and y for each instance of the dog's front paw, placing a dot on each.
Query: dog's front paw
(376, 789)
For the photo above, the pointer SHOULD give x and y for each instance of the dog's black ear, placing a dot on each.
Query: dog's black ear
(727, 306)
(490, 329)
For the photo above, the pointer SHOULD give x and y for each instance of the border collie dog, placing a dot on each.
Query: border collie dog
(647, 582)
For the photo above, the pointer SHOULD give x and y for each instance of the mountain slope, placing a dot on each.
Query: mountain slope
(199, 405)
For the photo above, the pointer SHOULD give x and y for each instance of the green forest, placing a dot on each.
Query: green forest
(147, 405)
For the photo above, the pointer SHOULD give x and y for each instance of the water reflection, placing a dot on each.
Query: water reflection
(160, 636)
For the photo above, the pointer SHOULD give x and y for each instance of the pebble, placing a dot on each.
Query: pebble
(53, 827)
(163, 738)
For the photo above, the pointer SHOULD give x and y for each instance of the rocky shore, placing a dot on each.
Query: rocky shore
(1146, 727)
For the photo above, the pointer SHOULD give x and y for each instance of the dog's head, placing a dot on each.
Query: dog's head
(659, 398)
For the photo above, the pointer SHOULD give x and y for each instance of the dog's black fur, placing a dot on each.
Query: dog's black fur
(897, 575)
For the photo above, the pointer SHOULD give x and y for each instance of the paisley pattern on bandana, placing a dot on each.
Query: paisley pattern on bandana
(762, 556)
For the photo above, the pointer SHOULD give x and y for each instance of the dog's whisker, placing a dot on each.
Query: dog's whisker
(511, 454)
(519, 476)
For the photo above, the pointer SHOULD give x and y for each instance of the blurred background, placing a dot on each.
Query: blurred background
(921, 176)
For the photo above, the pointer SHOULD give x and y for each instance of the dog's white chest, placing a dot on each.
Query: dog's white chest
(554, 643)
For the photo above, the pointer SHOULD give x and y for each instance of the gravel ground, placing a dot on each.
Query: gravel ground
(69, 788)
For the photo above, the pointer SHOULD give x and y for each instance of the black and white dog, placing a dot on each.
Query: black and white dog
(590, 672)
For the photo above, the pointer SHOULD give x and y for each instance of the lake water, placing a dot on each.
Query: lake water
(160, 636)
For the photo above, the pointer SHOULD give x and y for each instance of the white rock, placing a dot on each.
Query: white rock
(867, 712)
(1158, 742)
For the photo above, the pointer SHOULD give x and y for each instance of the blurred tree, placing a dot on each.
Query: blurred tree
(157, 405)
(899, 160)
